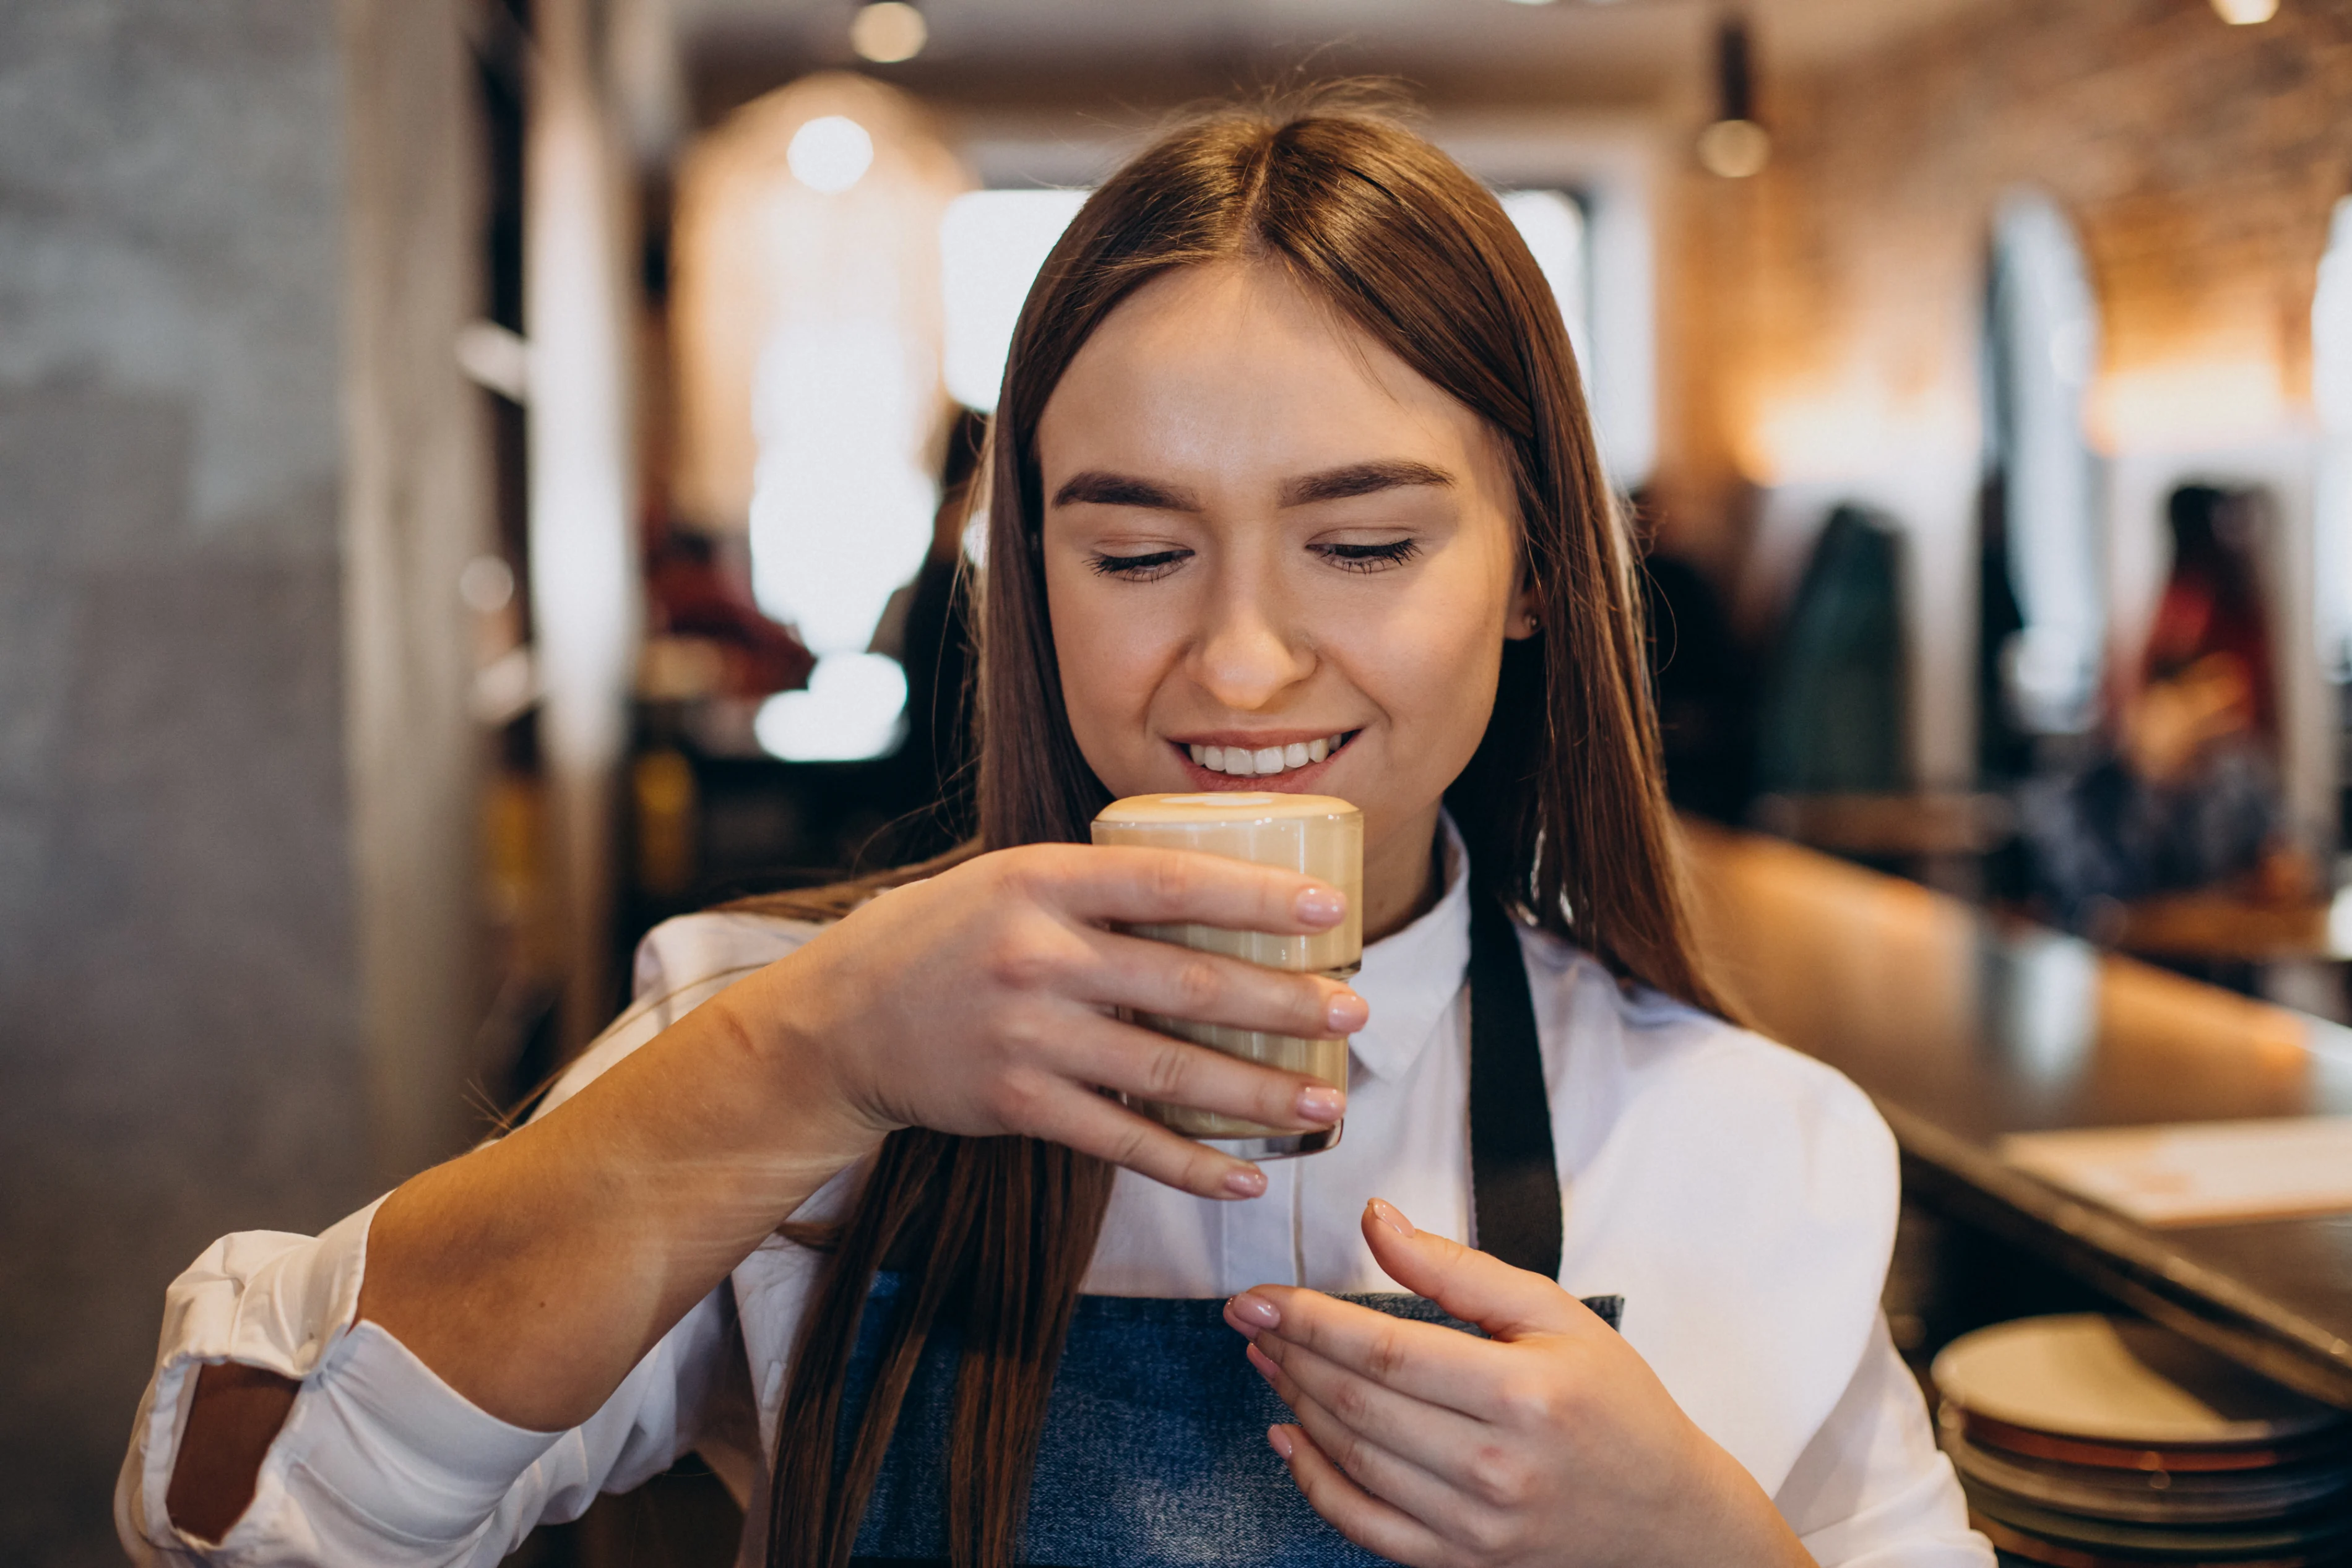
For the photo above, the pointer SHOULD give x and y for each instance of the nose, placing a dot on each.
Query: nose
(1252, 648)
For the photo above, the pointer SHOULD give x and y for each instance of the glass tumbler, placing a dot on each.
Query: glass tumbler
(1318, 835)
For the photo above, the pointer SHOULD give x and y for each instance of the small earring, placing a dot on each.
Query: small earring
(1532, 625)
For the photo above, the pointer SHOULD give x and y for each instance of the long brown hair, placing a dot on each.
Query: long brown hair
(1561, 805)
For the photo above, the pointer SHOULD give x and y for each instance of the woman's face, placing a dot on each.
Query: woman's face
(1268, 541)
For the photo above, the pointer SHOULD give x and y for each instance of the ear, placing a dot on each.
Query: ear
(1526, 612)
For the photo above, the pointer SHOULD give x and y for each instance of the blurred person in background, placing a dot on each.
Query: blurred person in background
(927, 628)
(1705, 685)
(1291, 487)
(694, 595)
(2183, 794)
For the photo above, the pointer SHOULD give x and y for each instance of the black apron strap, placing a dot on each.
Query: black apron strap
(1514, 1178)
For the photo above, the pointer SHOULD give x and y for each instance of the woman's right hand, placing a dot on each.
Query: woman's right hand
(533, 1273)
(982, 1002)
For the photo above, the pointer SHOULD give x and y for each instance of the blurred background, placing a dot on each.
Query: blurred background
(478, 476)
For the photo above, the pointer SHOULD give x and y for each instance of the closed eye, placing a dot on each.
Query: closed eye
(1138, 568)
(1369, 558)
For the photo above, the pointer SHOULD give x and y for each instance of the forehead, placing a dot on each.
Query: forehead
(1237, 367)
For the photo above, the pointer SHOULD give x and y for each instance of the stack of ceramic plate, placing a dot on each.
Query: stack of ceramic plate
(2094, 1442)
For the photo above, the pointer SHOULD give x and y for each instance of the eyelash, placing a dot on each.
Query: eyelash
(1158, 564)
(1139, 568)
(1370, 557)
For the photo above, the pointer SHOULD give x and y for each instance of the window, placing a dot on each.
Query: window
(2042, 334)
(991, 244)
(808, 331)
(1552, 222)
(2331, 393)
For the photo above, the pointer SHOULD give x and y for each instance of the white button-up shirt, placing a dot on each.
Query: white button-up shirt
(1740, 1196)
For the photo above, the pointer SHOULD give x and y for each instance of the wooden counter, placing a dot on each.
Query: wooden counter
(1964, 1029)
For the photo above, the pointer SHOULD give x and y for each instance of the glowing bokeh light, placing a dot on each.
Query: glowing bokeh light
(1733, 149)
(830, 154)
(855, 708)
(888, 31)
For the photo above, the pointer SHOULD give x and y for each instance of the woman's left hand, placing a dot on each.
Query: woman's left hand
(1552, 1442)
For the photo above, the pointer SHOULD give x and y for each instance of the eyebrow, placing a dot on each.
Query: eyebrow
(1097, 487)
(1361, 479)
(1102, 489)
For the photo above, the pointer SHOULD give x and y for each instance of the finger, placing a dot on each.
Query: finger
(1138, 886)
(1430, 1436)
(1437, 1505)
(1379, 1528)
(1477, 1287)
(1428, 1362)
(1209, 987)
(1110, 1055)
(1094, 1124)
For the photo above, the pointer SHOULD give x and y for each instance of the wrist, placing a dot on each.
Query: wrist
(788, 1065)
(1749, 1528)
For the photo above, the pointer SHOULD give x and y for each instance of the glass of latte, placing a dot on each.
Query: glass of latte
(1320, 835)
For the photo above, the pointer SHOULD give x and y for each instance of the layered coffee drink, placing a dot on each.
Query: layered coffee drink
(1318, 835)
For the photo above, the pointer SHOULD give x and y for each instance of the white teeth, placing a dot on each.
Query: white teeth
(1242, 762)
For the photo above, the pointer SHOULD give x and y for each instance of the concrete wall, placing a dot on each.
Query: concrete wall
(184, 1026)
(415, 488)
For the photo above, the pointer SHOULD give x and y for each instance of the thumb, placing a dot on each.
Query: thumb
(1477, 1287)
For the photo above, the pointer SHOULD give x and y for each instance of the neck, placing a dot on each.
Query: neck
(1404, 873)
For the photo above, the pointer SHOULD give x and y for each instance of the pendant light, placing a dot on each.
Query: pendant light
(1735, 145)
(888, 31)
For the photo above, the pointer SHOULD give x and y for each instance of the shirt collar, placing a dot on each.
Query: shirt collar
(1411, 978)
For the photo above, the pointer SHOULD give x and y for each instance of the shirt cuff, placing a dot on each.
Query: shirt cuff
(377, 1448)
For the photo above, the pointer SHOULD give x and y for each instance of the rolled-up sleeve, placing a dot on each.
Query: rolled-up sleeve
(379, 1460)
(1872, 1490)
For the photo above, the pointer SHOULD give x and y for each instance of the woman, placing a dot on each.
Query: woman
(1290, 459)
(2182, 793)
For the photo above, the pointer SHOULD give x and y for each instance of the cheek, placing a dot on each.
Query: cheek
(1107, 655)
(1436, 672)
(1439, 649)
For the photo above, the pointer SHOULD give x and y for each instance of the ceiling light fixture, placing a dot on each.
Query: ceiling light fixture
(1737, 145)
(2246, 13)
(888, 31)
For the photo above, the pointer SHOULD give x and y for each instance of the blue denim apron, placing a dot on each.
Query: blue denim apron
(1154, 1453)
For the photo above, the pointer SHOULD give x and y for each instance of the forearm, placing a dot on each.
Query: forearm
(1756, 1533)
(531, 1274)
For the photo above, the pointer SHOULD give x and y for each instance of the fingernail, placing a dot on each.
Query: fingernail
(1321, 906)
(1345, 1012)
(1321, 1103)
(1280, 1438)
(1386, 1213)
(1247, 1182)
(1255, 1311)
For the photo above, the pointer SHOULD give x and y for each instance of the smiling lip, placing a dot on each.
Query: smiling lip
(1285, 777)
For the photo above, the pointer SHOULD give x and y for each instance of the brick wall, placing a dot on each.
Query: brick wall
(1822, 320)
(2197, 161)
